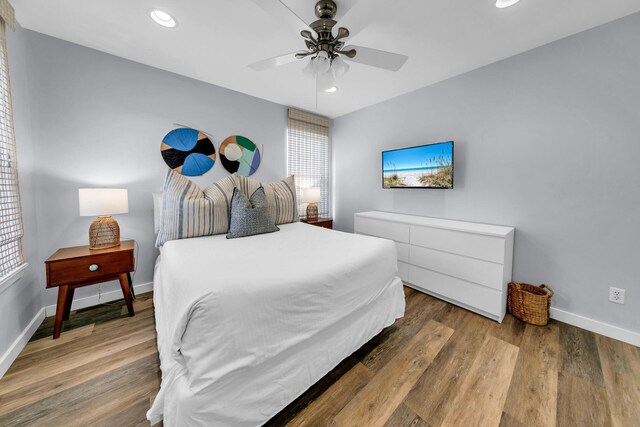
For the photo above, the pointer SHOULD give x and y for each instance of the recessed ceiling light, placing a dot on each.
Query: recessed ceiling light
(501, 4)
(332, 89)
(163, 18)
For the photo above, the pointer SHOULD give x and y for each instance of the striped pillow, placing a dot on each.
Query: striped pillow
(281, 197)
(188, 211)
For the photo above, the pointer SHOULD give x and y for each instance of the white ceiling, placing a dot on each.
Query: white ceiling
(216, 39)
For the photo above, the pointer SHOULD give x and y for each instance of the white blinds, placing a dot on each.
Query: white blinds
(10, 209)
(7, 14)
(308, 156)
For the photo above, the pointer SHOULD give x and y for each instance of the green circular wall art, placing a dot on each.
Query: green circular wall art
(188, 151)
(238, 154)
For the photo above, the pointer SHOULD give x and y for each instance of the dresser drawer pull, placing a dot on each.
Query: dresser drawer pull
(93, 267)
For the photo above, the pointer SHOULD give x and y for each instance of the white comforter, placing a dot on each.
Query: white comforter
(235, 318)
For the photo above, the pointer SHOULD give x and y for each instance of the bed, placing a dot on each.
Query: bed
(246, 325)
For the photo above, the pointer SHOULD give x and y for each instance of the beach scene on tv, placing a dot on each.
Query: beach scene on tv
(427, 166)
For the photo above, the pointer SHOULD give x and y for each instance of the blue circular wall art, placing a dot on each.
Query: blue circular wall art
(188, 151)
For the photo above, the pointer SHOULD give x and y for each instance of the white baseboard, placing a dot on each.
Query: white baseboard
(596, 326)
(99, 299)
(13, 352)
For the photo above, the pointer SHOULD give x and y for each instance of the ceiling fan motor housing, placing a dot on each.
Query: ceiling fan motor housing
(326, 10)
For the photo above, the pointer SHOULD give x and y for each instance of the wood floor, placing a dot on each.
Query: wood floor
(438, 366)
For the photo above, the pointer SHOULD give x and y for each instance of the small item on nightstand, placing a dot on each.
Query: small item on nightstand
(530, 303)
(103, 202)
(311, 196)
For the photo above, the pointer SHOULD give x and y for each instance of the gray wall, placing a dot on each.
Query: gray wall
(22, 301)
(546, 141)
(98, 121)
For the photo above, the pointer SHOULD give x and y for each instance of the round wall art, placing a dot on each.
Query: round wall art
(188, 151)
(238, 154)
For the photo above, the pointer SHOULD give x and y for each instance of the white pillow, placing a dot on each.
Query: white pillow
(157, 211)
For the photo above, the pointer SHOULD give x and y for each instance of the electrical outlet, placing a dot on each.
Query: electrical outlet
(616, 295)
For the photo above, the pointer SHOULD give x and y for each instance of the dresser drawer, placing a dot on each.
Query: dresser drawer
(477, 297)
(403, 252)
(385, 229)
(470, 269)
(488, 248)
(75, 270)
(403, 271)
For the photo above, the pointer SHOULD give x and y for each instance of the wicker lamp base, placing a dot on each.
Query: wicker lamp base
(104, 233)
(312, 212)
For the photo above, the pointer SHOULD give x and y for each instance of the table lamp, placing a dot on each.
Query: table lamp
(103, 202)
(311, 196)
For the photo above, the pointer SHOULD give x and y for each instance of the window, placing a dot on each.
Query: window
(308, 156)
(10, 209)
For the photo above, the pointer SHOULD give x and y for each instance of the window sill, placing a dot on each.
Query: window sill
(12, 278)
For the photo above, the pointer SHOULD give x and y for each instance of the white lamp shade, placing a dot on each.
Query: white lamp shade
(103, 201)
(311, 195)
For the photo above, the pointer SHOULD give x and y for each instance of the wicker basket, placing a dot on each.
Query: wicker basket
(530, 303)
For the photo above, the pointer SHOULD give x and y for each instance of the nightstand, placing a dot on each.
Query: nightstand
(321, 222)
(71, 268)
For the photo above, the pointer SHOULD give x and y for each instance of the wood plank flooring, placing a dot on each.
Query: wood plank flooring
(440, 365)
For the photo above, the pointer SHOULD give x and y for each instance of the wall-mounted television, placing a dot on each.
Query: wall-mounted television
(424, 166)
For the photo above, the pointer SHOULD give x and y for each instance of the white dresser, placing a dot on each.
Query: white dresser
(465, 263)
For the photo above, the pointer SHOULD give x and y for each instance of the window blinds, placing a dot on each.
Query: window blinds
(10, 209)
(308, 156)
(7, 14)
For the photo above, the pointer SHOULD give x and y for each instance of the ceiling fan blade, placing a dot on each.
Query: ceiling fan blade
(363, 13)
(277, 61)
(285, 15)
(377, 58)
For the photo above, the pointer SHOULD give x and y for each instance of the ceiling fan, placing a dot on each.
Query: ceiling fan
(327, 53)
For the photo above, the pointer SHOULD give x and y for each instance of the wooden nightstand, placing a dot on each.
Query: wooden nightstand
(321, 222)
(71, 268)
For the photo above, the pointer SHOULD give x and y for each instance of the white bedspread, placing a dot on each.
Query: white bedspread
(243, 324)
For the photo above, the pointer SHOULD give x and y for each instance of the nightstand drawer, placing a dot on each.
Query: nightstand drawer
(77, 270)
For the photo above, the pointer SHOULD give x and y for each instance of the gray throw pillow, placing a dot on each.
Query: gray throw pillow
(250, 216)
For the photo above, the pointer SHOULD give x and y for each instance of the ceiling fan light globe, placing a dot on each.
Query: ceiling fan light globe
(339, 66)
(309, 70)
(322, 62)
(326, 80)
(323, 55)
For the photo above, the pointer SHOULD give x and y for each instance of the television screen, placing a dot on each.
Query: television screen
(425, 166)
